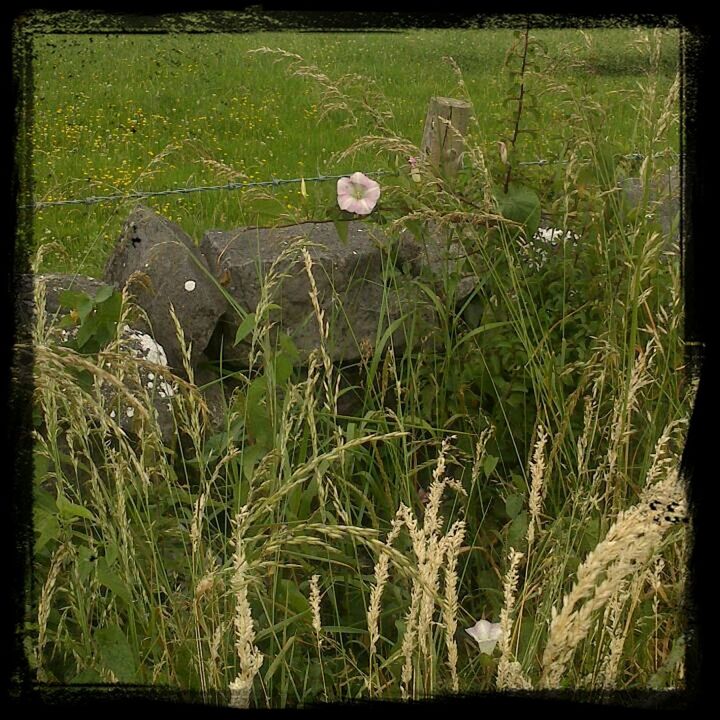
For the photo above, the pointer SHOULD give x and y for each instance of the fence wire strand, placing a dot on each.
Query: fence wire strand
(274, 183)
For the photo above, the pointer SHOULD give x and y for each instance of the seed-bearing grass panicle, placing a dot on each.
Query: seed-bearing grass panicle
(314, 602)
(479, 456)
(450, 606)
(382, 574)
(196, 523)
(431, 550)
(510, 675)
(45, 604)
(537, 470)
(249, 657)
(626, 404)
(616, 632)
(260, 342)
(324, 328)
(627, 547)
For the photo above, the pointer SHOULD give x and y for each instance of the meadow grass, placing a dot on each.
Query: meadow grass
(518, 466)
(115, 114)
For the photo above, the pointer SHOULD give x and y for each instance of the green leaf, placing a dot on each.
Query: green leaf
(250, 458)
(280, 657)
(111, 552)
(116, 653)
(103, 334)
(520, 204)
(513, 505)
(103, 294)
(288, 596)
(85, 307)
(283, 368)
(245, 328)
(112, 581)
(109, 309)
(70, 511)
(489, 464)
(71, 298)
(86, 331)
(47, 528)
(478, 330)
(518, 530)
(41, 465)
(288, 347)
(416, 227)
(341, 226)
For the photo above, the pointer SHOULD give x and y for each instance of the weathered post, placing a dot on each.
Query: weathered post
(443, 140)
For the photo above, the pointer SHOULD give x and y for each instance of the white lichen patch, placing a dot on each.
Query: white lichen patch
(165, 390)
(189, 285)
(146, 348)
(130, 411)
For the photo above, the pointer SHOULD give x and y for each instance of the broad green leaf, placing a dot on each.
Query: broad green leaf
(417, 228)
(288, 596)
(489, 464)
(47, 528)
(85, 307)
(478, 330)
(520, 204)
(283, 368)
(109, 310)
(41, 465)
(111, 552)
(518, 530)
(70, 511)
(288, 347)
(252, 454)
(71, 298)
(103, 294)
(513, 505)
(116, 653)
(86, 331)
(245, 328)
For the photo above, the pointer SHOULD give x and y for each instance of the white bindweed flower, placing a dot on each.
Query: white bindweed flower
(486, 634)
(358, 194)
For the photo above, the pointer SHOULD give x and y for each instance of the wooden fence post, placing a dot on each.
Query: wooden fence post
(443, 140)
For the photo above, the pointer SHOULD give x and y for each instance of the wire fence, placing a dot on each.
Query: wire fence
(274, 183)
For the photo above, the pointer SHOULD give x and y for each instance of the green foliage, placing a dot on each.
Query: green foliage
(95, 318)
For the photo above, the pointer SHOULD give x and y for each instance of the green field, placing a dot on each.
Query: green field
(116, 114)
(518, 465)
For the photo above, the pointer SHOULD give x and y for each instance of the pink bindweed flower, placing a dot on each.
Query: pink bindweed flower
(358, 194)
(486, 634)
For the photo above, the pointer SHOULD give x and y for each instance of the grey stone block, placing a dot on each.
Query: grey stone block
(178, 275)
(353, 290)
